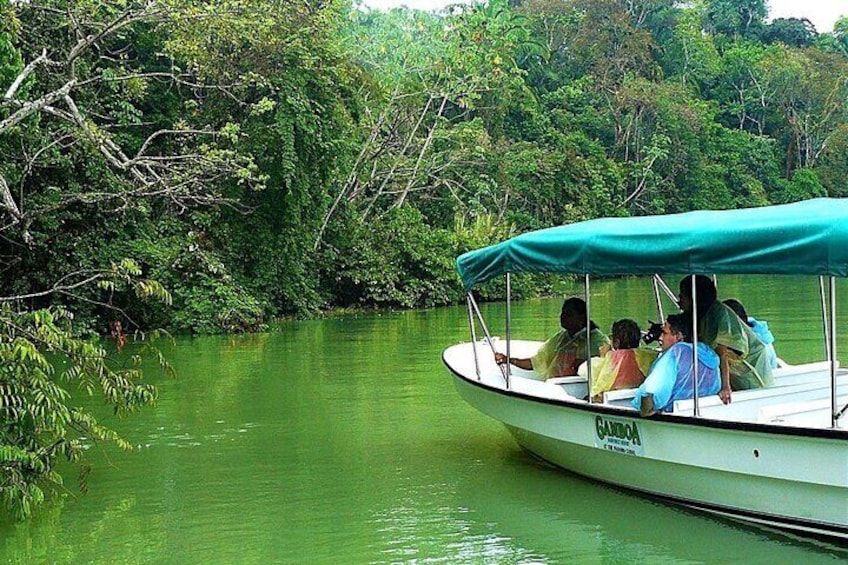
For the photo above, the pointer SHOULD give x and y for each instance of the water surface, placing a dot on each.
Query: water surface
(343, 441)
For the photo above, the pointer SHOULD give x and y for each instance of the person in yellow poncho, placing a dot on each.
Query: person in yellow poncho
(743, 356)
(566, 350)
(623, 365)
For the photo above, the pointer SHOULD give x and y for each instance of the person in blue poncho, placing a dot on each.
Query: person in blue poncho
(671, 376)
(759, 327)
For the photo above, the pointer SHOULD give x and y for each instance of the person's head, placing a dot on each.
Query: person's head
(573, 315)
(625, 334)
(706, 293)
(737, 307)
(675, 330)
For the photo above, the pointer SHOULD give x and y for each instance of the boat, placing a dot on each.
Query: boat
(776, 456)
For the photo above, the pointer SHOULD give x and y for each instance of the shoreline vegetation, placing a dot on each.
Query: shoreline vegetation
(211, 167)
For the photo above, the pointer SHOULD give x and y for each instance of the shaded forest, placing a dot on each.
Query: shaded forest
(210, 166)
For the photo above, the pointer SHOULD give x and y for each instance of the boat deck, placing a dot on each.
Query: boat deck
(800, 396)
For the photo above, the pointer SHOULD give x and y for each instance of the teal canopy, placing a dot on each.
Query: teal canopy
(809, 237)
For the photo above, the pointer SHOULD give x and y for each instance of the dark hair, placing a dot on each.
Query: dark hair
(682, 324)
(627, 333)
(737, 307)
(706, 292)
(577, 306)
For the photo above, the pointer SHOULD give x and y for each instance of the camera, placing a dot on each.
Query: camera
(654, 332)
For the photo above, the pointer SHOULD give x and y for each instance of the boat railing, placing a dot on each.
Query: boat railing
(474, 312)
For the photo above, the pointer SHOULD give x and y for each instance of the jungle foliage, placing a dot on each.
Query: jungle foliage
(208, 166)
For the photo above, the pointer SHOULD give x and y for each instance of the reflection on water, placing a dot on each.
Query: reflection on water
(569, 518)
(343, 441)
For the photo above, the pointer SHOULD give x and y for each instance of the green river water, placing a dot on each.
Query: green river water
(343, 441)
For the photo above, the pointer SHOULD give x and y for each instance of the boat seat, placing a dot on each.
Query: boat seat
(747, 403)
(794, 374)
(777, 412)
(739, 396)
(620, 394)
(566, 380)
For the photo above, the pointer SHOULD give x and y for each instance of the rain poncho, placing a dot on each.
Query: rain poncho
(558, 355)
(749, 361)
(670, 377)
(761, 330)
(621, 368)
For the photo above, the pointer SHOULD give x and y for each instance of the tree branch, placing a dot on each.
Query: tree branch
(423, 151)
(29, 108)
(24, 74)
(57, 287)
(125, 18)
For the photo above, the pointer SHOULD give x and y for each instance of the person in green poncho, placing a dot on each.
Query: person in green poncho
(743, 357)
(563, 353)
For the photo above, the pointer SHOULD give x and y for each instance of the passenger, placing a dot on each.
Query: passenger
(670, 377)
(760, 328)
(622, 365)
(566, 350)
(744, 360)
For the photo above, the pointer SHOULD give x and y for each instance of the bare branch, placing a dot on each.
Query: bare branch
(125, 18)
(152, 137)
(8, 201)
(421, 154)
(29, 108)
(107, 305)
(24, 74)
(58, 287)
(108, 148)
(176, 78)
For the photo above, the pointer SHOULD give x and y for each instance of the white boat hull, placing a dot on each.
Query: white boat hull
(783, 476)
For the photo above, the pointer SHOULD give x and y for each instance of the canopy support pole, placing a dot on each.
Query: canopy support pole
(473, 335)
(508, 371)
(657, 297)
(588, 338)
(695, 378)
(659, 281)
(831, 348)
(825, 324)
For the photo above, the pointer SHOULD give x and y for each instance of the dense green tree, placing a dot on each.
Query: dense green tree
(830, 167)
(735, 19)
(85, 169)
(739, 88)
(608, 44)
(792, 32)
(806, 90)
(836, 42)
(690, 56)
(441, 90)
(294, 99)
